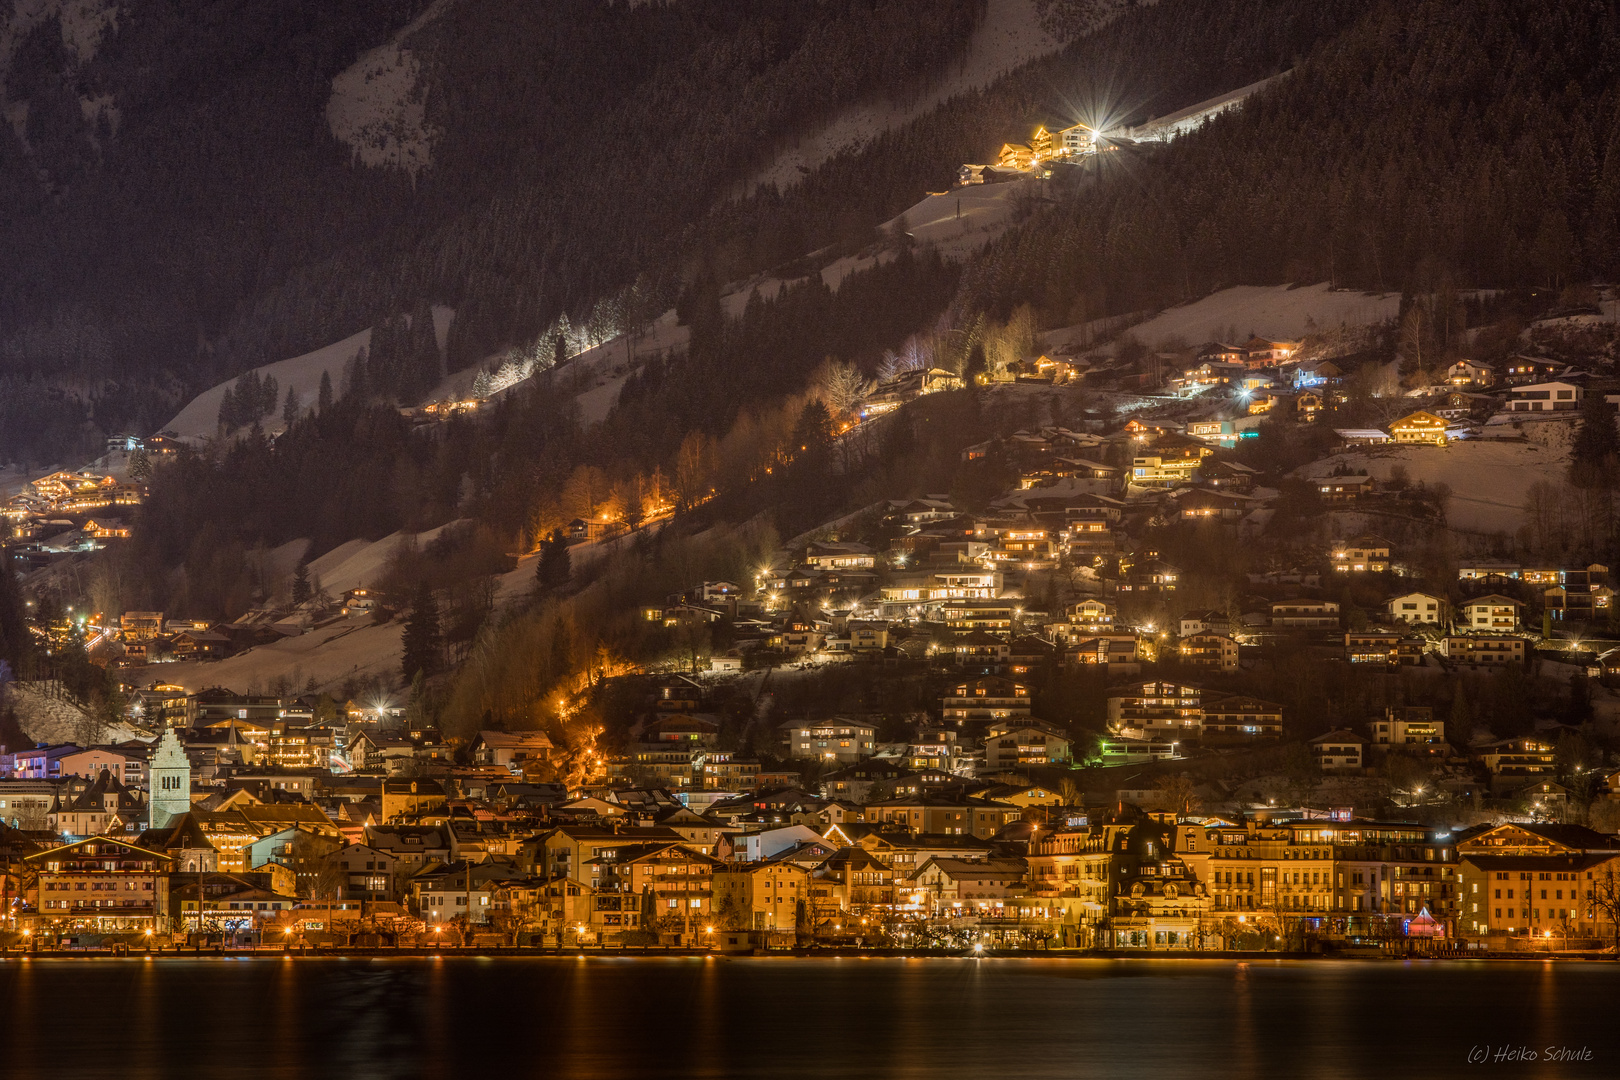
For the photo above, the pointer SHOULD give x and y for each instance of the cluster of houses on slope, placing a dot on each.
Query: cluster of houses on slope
(950, 588)
(67, 512)
(1247, 382)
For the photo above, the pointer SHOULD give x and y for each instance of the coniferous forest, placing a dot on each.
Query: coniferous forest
(1464, 144)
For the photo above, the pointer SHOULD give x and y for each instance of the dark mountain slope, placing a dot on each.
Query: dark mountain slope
(204, 219)
(1475, 143)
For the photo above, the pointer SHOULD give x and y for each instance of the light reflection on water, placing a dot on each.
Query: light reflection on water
(853, 1017)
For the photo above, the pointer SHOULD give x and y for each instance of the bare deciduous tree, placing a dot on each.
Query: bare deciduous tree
(840, 386)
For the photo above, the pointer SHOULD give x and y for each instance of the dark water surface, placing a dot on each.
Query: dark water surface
(304, 1019)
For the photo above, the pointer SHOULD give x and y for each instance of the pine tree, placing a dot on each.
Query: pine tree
(301, 590)
(422, 365)
(290, 408)
(562, 649)
(423, 641)
(140, 467)
(227, 412)
(813, 433)
(556, 564)
(16, 643)
(1596, 450)
(324, 400)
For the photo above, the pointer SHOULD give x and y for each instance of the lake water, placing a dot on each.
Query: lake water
(504, 1019)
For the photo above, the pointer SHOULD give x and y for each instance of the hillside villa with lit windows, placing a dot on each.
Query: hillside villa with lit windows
(841, 741)
(988, 699)
(1363, 555)
(1023, 743)
(1408, 726)
(1469, 374)
(1156, 710)
(1338, 751)
(1209, 650)
(1240, 718)
(1390, 648)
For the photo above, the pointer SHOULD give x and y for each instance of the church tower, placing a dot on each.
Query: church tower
(170, 782)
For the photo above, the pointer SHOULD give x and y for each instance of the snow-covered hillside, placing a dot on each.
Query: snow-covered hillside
(200, 417)
(49, 719)
(301, 373)
(1277, 311)
(378, 105)
(1490, 481)
(84, 25)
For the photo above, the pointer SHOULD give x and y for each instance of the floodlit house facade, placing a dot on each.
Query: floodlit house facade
(1417, 608)
(989, 698)
(1544, 397)
(1491, 613)
(1411, 726)
(1483, 650)
(1421, 427)
(1209, 650)
(1016, 744)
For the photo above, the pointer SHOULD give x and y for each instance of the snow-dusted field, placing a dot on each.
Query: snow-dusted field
(1271, 311)
(960, 221)
(352, 648)
(349, 648)
(358, 564)
(1489, 481)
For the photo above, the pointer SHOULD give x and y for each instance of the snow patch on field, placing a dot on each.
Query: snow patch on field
(1275, 311)
(1490, 481)
(378, 106)
(600, 365)
(360, 564)
(959, 222)
(1009, 37)
(278, 563)
(350, 648)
